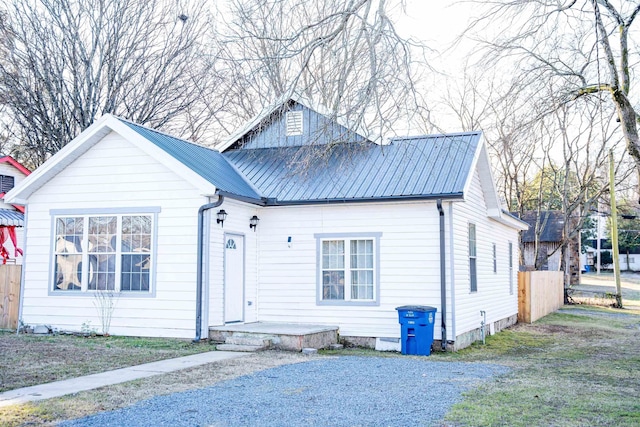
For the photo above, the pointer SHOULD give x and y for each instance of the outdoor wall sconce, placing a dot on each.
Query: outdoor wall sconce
(222, 215)
(253, 222)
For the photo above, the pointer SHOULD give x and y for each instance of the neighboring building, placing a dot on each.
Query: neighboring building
(541, 244)
(629, 257)
(342, 241)
(11, 216)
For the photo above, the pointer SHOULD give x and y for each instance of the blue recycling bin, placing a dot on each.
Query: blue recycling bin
(416, 324)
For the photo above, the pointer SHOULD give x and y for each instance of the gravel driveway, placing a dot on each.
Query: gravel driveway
(326, 391)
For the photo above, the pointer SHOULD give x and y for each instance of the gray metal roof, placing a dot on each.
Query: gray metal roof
(418, 167)
(431, 166)
(206, 162)
(11, 218)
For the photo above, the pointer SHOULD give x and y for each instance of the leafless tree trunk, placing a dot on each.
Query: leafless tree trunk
(583, 46)
(63, 63)
(343, 55)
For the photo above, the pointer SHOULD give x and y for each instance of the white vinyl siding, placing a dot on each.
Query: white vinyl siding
(407, 263)
(493, 294)
(117, 174)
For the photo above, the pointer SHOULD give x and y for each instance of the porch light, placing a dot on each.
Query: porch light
(253, 222)
(222, 215)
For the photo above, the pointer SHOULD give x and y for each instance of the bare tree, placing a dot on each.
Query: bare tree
(63, 63)
(583, 46)
(343, 55)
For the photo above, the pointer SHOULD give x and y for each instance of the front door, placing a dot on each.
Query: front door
(233, 278)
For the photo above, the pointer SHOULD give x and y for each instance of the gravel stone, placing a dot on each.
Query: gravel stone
(342, 391)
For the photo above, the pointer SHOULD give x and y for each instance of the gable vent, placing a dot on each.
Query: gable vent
(6, 183)
(294, 123)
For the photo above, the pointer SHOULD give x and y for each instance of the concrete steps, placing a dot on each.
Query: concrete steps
(245, 342)
(239, 347)
(282, 336)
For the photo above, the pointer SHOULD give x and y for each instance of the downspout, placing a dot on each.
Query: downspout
(201, 212)
(443, 281)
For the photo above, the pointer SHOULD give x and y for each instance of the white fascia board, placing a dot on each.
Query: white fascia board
(482, 164)
(508, 220)
(83, 142)
(56, 163)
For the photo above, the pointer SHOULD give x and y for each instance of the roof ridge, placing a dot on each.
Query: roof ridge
(435, 135)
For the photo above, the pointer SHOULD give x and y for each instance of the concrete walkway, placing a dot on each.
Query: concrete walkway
(90, 382)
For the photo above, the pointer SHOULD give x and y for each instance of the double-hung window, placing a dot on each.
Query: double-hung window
(511, 268)
(473, 269)
(348, 269)
(104, 252)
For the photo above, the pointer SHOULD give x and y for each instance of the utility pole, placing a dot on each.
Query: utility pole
(598, 239)
(614, 231)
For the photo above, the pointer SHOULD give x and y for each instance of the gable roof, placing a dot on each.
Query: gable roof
(281, 105)
(13, 162)
(206, 162)
(424, 167)
(201, 166)
(434, 166)
(551, 225)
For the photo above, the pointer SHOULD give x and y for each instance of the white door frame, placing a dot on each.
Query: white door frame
(241, 237)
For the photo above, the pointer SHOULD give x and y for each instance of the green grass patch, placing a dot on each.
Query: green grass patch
(22, 415)
(27, 360)
(575, 369)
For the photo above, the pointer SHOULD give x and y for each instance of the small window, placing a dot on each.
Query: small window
(231, 244)
(6, 183)
(511, 268)
(348, 270)
(294, 123)
(495, 259)
(473, 271)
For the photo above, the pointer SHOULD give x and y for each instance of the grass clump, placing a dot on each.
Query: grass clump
(570, 369)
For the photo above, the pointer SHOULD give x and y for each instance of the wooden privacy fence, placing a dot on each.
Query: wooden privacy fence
(539, 293)
(9, 295)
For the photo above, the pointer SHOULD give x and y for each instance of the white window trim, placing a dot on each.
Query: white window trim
(376, 267)
(474, 256)
(495, 259)
(510, 268)
(119, 212)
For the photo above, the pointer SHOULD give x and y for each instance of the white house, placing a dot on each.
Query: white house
(342, 240)
(11, 216)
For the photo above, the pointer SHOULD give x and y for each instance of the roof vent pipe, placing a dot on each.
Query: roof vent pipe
(201, 212)
(443, 280)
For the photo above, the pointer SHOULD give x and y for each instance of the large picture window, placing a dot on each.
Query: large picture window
(348, 269)
(103, 252)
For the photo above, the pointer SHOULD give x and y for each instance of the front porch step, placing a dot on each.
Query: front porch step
(257, 340)
(280, 336)
(240, 347)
